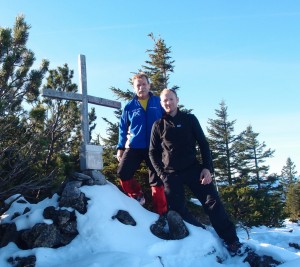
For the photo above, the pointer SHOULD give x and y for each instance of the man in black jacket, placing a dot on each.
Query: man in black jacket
(173, 155)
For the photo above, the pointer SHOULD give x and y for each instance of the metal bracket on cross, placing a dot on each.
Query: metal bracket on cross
(90, 155)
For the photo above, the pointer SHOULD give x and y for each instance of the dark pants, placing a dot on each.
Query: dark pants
(207, 195)
(130, 163)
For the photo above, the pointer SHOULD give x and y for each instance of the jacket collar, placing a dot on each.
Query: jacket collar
(150, 94)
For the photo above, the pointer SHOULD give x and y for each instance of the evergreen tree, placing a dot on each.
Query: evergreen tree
(251, 154)
(61, 124)
(289, 172)
(221, 139)
(254, 207)
(293, 201)
(19, 84)
(110, 163)
(159, 66)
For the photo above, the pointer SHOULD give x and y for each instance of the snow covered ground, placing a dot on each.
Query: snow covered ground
(105, 242)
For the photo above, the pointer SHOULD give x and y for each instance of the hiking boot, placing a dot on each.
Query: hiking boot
(141, 199)
(160, 228)
(177, 227)
(237, 249)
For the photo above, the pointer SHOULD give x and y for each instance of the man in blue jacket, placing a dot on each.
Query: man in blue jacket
(136, 122)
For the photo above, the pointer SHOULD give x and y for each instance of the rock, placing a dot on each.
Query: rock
(23, 261)
(124, 217)
(64, 227)
(98, 177)
(78, 203)
(72, 190)
(81, 176)
(69, 228)
(42, 235)
(256, 260)
(59, 217)
(8, 233)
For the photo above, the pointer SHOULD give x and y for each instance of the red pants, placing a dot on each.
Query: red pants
(133, 189)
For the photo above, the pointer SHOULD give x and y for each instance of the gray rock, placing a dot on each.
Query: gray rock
(79, 203)
(23, 261)
(98, 177)
(69, 228)
(8, 233)
(42, 235)
(59, 217)
(81, 176)
(124, 217)
(72, 190)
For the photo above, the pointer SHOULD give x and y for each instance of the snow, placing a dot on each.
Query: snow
(105, 242)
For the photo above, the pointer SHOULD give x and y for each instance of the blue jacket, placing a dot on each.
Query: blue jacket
(136, 123)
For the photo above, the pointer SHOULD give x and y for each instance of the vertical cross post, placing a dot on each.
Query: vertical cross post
(84, 104)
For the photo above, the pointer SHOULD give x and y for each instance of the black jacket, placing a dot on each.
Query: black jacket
(173, 143)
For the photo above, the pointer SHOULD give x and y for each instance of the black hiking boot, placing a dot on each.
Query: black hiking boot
(238, 249)
(160, 228)
(177, 228)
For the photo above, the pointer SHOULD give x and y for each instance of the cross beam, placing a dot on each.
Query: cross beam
(78, 97)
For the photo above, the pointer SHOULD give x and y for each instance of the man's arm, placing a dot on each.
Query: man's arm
(123, 130)
(155, 149)
(203, 144)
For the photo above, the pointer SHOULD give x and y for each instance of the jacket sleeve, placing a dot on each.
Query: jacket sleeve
(123, 130)
(155, 149)
(203, 144)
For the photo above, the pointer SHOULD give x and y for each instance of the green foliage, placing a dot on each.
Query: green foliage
(19, 83)
(293, 201)
(159, 66)
(252, 206)
(221, 139)
(288, 173)
(39, 145)
(250, 156)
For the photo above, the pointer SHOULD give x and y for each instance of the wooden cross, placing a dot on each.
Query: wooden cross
(90, 155)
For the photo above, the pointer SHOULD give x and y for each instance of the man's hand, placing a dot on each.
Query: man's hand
(119, 154)
(205, 177)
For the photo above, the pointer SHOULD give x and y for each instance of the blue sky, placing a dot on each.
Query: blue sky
(243, 52)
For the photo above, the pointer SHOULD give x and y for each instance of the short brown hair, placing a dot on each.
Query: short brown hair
(169, 89)
(139, 76)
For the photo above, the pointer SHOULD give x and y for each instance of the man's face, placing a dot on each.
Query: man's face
(141, 87)
(169, 102)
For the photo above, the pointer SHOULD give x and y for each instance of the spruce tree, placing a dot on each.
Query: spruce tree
(251, 154)
(159, 66)
(221, 139)
(293, 201)
(289, 172)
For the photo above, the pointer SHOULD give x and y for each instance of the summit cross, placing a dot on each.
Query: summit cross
(90, 155)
